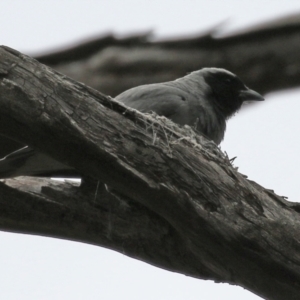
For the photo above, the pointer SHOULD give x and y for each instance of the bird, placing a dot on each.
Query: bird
(204, 99)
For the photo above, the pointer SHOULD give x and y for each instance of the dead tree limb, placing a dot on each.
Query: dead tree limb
(173, 202)
(266, 57)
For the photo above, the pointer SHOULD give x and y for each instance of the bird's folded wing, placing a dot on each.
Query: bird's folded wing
(164, 100)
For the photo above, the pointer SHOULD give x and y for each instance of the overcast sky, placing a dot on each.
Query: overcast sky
(263, 138)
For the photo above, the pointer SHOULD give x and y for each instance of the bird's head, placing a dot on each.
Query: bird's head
(227, 91)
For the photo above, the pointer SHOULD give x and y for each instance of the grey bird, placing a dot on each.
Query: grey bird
(204, 99)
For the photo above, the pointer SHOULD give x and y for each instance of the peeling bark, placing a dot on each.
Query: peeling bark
(173, 200)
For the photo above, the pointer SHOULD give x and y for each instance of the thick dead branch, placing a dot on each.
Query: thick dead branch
(266, 57)
(198, 215)
(60, 209)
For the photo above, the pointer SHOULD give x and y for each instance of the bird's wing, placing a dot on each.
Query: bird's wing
(164, 100)
(176, 102)
(27, 162)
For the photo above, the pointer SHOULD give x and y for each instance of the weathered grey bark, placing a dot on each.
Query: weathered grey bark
(176, 203)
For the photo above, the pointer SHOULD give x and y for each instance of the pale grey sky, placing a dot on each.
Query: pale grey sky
(262, 138)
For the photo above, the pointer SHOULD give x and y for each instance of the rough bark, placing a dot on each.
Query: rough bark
(173, 200)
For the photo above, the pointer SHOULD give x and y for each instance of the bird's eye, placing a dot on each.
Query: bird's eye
(228, 80)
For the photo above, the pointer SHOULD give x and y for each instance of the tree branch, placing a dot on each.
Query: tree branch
(63, 210)
(186, 208)
(113, 65)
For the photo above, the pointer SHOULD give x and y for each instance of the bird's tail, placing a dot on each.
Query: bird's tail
(27, 162)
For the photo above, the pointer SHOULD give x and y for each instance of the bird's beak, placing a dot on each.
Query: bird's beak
(250, 95)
